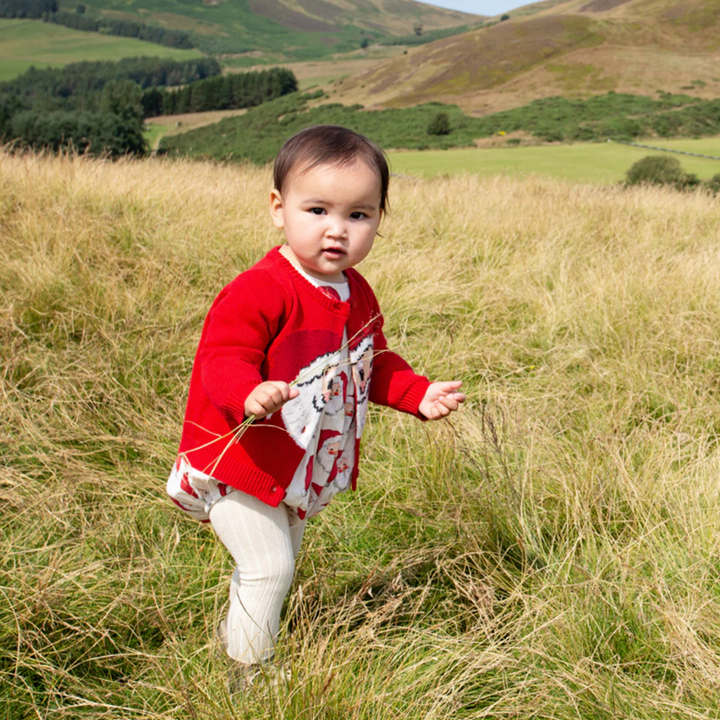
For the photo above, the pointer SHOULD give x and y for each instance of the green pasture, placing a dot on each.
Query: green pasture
(153, 132)
(24, 43)
(233, 27)
(588, 162)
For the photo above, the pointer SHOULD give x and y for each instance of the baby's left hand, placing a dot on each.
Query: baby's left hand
(441, 399)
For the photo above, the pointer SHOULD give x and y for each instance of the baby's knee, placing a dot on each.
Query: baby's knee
(278, 574)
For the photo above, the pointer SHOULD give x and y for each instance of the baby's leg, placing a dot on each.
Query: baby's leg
(259, 538)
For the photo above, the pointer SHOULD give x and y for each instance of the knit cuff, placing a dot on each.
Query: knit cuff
(413, 396)
(234, 405)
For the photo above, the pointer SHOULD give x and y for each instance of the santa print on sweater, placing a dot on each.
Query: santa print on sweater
(272, 324)
(321, 391)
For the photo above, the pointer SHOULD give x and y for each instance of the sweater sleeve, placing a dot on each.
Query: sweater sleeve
(394, 383)
(242, 322)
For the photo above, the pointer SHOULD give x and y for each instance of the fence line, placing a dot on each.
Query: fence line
(653, 147)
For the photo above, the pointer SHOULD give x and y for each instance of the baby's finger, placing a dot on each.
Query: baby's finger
(450, 402)
(254, 408)
(269, 396)
(441, 409)
(287, 392)
(449, 386)
(272, 400)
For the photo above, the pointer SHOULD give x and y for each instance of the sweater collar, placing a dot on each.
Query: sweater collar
(303, 284)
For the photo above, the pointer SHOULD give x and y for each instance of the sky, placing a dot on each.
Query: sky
(479, 7)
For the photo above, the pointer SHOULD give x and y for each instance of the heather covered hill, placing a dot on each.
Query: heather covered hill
(576, 49)
(298, 29)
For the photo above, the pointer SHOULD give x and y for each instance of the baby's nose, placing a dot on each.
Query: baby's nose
(337, 229)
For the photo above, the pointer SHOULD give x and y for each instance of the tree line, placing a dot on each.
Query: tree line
(78, 86)
(49, 11)
(33, 9)
(239, 90)
(99, 107)
(123, 28)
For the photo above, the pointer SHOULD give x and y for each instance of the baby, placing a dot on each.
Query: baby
(291, 352)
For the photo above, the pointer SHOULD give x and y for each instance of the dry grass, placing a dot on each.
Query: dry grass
(190, 121)
(323, 72)
(552, 554)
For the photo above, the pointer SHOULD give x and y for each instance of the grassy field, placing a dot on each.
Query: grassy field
(552, 554)
(585, 162)
(159, 127)
(24, 43)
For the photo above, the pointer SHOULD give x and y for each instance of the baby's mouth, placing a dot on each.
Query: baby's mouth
(333, 252)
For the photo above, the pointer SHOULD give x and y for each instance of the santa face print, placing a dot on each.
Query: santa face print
(315, 382)
(361, 364)
(328, 453)
(335, 388)
(322, 385)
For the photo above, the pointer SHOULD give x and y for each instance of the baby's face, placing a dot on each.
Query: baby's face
(330, 216)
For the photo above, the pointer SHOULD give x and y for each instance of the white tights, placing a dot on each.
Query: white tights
(264, 547)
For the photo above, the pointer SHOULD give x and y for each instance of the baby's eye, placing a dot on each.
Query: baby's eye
(358, 215)
(317, 211)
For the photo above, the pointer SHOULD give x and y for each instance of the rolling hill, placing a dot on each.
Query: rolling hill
(28, 43)
(284, 29)
(575, 48)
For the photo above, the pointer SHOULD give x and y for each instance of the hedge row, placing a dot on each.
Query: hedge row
(123, 28)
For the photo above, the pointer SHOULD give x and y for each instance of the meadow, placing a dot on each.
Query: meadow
(258, 135)
(550, 553)
(161, 126)
(27, 43)
(581, 162)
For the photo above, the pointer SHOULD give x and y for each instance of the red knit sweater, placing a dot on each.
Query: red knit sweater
(270, 323)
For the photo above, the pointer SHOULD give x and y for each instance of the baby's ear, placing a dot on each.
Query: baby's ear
(277, 211)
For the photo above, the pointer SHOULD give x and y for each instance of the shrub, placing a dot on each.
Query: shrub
(660, 170)
(667, 124)
(550, 134)
(582, 133)
(439, 125)
(504, 17)
(86, 132)
(713, 185)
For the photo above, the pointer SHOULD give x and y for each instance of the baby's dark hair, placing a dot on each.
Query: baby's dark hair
(330, 145)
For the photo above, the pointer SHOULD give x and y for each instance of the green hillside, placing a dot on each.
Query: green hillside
(258, 135)
(280, 28)
(24, 43)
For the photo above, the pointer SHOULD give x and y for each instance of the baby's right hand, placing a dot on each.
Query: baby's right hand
(268, 397)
